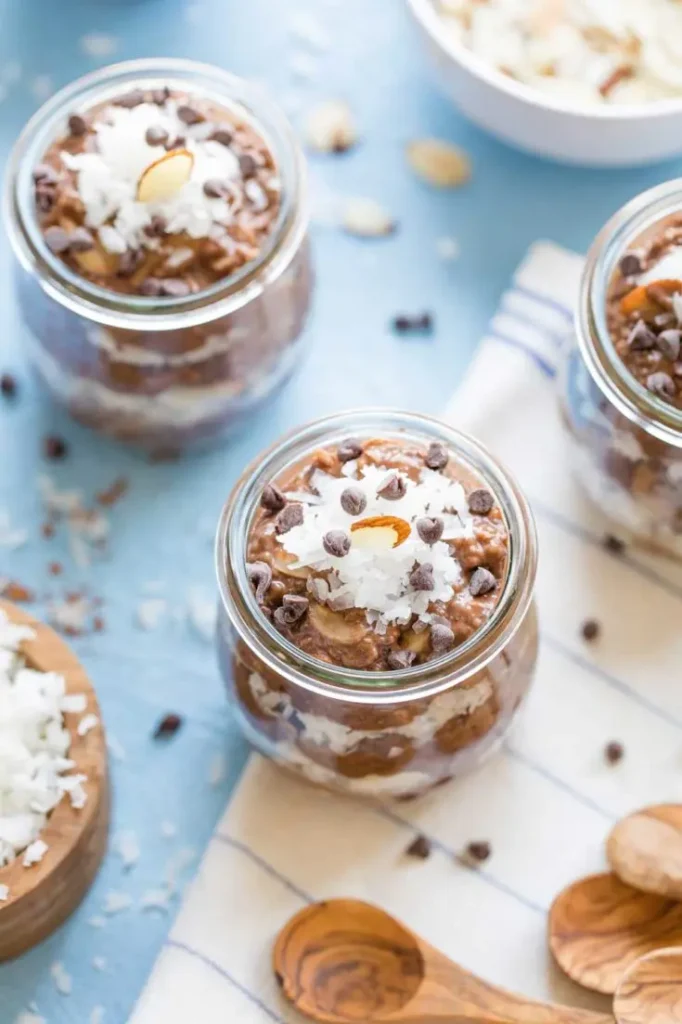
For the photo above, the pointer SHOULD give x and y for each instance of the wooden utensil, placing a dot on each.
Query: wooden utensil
(43, 896)
(599, 926)
(651, 991)
(645, 850)
(345, 961)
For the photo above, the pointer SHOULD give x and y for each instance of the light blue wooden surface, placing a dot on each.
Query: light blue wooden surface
(163, 530)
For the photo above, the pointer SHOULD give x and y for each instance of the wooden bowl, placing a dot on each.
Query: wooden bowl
(41, 897)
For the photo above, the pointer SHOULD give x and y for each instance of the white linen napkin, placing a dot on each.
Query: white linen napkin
(545, 803)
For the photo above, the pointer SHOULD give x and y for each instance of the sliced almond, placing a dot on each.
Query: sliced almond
(282, 562)
(366, 218)
(642, 299)
(380, 533)
(439, 163)
(417, 642)
(166, 176)
(329, 127)
(335, 626)
(96, 261)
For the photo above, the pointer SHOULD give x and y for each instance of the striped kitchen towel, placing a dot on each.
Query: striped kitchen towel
(545, 803)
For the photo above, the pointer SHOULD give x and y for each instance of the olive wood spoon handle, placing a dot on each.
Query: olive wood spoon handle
(345, 962)
(651, 990)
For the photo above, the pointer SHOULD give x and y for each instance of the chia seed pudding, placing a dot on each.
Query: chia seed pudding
(380, 560)
(158, 212)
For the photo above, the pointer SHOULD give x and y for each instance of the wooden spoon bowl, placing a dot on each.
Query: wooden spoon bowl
(651, 991)
(43, 896)
(645, 850)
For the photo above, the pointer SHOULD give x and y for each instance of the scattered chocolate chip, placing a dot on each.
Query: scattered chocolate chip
(630, 264)
(168, 726)
(641, 338)
(437, 456)
(222, 135)
(156, 227)
(151, 286)
(54, 447)
(421, 578)
(590, 629)
(174, 288)
(661, 384)
(442, 638)
(480, 502)
(397, 660)
(214, 188)
(129, 261)
(160, 96)
(8, 385)
(669, 344)
(260, 577)
(393, 489)
(614, 752)
(336, 543)
(420, 848)
(613, 544)
(353, 501)
(290, 516)
(272, 498)
(405, 324)
(430, 530)
(481, 582)
(190, 115)
(247, 165)
(155, 135)
(80, 240)
(479, 850)
(348, 450)
(279, 978)
(57, 239)
(292, 609)
(43, 174)
(131, 99)
(77, 125)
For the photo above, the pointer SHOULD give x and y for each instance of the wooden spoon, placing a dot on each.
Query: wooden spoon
(345, 961)
(651, 991)
(645, 850)
(599, 927)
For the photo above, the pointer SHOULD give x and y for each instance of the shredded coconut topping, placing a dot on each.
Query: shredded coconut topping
(377, 578)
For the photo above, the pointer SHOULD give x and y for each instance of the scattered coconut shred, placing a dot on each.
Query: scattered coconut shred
(34, 747)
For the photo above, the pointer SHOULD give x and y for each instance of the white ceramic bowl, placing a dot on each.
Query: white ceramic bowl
(608, 136)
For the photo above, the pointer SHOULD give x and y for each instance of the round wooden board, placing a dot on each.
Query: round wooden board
(599, 926)
(43, 896)
(651, 991)
(645, 850)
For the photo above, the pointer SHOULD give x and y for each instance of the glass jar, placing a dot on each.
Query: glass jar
(163, 373)
(626, 441)
(379, 734)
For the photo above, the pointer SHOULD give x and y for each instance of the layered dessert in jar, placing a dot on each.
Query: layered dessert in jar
(377, 632)
(622, 396)
(158, 212)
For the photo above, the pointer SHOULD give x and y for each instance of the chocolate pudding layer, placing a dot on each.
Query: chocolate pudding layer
(387, 560)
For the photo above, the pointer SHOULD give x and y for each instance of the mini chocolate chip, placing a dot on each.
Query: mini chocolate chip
(669, 344)
(247, 165)
(214, 188)
(222, 135)
(45, 175)
(8, 385)
(479, 850)
(190, 115)
(54, 447)
(156, 227)
(661, 384)
(421, 578)
(405, 323)
(175, 288)
(80, 240)
(177, 143)
(77, 125)
(480, 502)
(131, 99)
(129, 261)
(420, 847)
(151, 286)
(613, 544)
(290, 516)
(292, 609)
(168, 726)
(481, 582)
(614, 752)
(430, 530)
(437, 456)
(155, 135)
(393, 489)
(630, 264)
(442, 638)
(336, 543)
(272, 498)
(590, 629)
(260, 577)
(353, 501)
(397, 660)
(57, 239)
(160, 96)
(45, 197)
(640, 338)
(348, 450)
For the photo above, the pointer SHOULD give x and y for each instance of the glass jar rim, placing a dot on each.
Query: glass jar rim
(645, 410)
(364, 686)
(141, 312)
